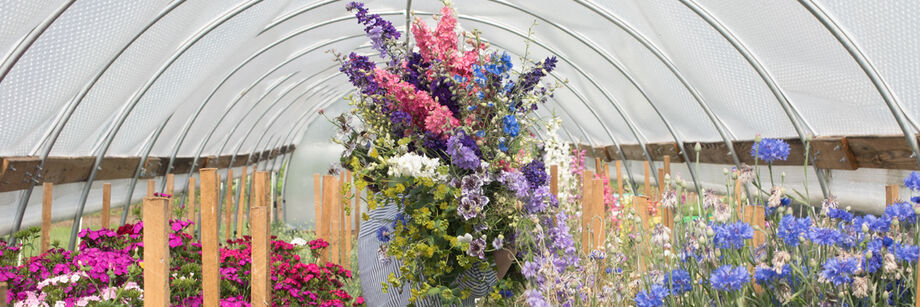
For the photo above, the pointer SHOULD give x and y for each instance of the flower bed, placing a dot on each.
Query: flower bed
(107, 270)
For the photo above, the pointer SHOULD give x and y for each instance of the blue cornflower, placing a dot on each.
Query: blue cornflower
(399, 219)
(902, 211)
(383, 234)
(510, 125)
(678, 281)
(908, 253)
(654, 297)
(877, 224)
(506, 293)
(766, 275)
(792, 228)
(839, 271)
(840, 214)
(915, 199)
(729, 278)
(732, 235)
(608, 270)
(825, 236)
(913, 181)
(770, 150)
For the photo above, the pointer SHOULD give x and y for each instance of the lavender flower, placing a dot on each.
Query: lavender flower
(378, 29)
(535, 172)
(770, 150)
(530, 269)
(460, 155)
(515, 182)
(498, 242)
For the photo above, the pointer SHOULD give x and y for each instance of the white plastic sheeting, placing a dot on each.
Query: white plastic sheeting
(240, 84)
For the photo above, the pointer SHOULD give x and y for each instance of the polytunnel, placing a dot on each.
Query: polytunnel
(118, 93)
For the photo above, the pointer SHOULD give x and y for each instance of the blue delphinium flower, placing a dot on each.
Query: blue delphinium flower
(770, 150)
(792, 228)
(731, 235)
(678, 281)
(840, 271)
(506, 293)
(840, 214)
(654, 297)
(379, 30)
(825, 236)
(913, 181)
(535, 298)
(729, 278)
(535, 172)
(902, 211)
(908, 253)
(510, 125)
(383, 234)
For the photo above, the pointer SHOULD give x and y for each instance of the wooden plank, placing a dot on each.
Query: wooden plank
(260, 215)
(347, 217)
(890, 152)
(335, 224)
(833, 153)
(341, 218)
(891, 194)
(116, 168)
(659, 151)
(587, 206)
(633, 152)
(661, 186)
(106, 204)
(151, 187)
(156, 252)
(648, 180)
(554, 179)
(598, 169)
(598, 218)
(667, 164)
(357, 213)
(47, 199)
(330, 186)
(243, 206)
(737, 196)
(67, 169)
(190, 204)
(4, 288)
(153, 166)
(17, 173)
(642, 209)
(620, 180)
(210, 255)
(228, 206)
(170, 183)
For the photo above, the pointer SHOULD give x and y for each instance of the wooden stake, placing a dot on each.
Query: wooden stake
(106, 204)
(738, 197)
(662, 187)
(3, 294)
(648, 180)
(210, 256)
(156, 252)
(667, 164)
(587, 206)
(347, 255)
(642, 208)
(330, 188)
(598, 217)
(891, 194)
(243, 205)
(554, 179)
(190, 204)
(341, 218)
(47, 198)
(261, 238)
(620, 180)
(228, 206)
(170, 183)
(597, 166)
(151, 187)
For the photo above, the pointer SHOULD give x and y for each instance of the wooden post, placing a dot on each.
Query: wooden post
(597, 166)
(210, 256)
(330, 188)
(341, 218)
(357, 214)
(554, 179)
(598, 217)
(667, 164)
(260, 212)
(648, 180)
(170, 183)
(106, 204)
(738, 197)
(228, 206)
(243, 205)
(190, 204)
(3, 294)
(642, 208)
(317, 202)
(156, 252)
(151, 187)
(620, 180)
(347, 217)
(587, 206)
(662, 187)
(47, 198)
(891, 194)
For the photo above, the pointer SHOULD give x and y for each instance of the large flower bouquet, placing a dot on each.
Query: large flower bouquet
(443, 131)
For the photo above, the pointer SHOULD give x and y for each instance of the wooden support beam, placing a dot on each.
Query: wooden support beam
(330, 188)
(106, 204)
(642, 209)
(317, 202)
(598, 217)
(667, 165)
(587, 208)
(261, 294)
(554, 179)
(243, 207)
(210, 255)
(170, 183)
(662, 187)
(228, 206)
(156, 252)
(47, 198)
(891, 194)
(151, 187)
(346, 260)
(620, 180)
(738, 197)
(190, 204)
(4, 288)
(648, 180)
(341, 218)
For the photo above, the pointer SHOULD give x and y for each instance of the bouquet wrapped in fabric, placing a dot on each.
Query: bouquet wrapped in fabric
(442, 130)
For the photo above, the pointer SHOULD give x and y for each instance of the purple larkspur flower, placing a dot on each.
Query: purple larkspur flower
(462, 156)
(379, 30)
(535, 172)
(516, 182)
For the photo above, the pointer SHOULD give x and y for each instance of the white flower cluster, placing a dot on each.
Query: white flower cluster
(413, 165)
(560, 153)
